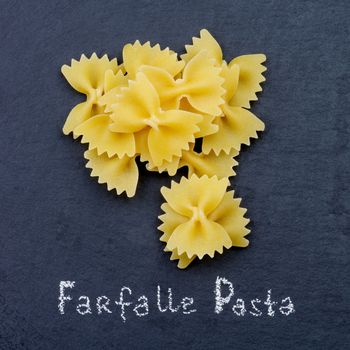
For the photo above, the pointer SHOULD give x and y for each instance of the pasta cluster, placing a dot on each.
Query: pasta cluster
(163, 109)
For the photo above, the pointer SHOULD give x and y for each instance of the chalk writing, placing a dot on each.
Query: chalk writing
(166, 301)
(224, 291)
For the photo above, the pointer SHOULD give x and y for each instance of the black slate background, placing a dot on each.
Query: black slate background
(56, 223)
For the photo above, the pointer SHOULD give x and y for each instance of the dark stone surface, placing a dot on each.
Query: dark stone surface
(56, 223)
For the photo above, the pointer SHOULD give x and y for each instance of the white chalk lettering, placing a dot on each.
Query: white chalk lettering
(170, 301)
(220, 301)
(239, 308)
(121, 302)
(287, 309)
(143, 305)
(164, 300)
(270, 304)
(256, 311)
(84, 308)
(62, 297)
(186, 302)
(102, 303)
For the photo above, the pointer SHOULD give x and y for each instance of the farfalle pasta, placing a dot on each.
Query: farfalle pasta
(138, 108)
(201, 218)
(242, 78)
(199, 75)
(170, 112)
(87, 77)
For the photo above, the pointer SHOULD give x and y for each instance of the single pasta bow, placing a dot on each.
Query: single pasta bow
(201, 218)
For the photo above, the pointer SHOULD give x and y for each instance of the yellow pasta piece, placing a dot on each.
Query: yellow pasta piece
(235, 129)
(249, 66)
(201, 84)
(250, 78)
(95, 131)
(205, 42)
(87, 76)
(120, 174)
(198, 236)
(136, 55)
(236, 125)
(168, 132)
(201, 218)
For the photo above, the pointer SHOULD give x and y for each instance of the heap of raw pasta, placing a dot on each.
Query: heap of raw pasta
(157, 107)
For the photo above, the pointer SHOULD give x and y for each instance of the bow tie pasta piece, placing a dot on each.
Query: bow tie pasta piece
(86, 76)
(205, 42)
(250, 78)
(201, 218)
(168, 132)
(136, 107)
(201, 84)
(195, 199)
(237, 125)
(235, 128)
(250, 67)
(136, 55)
(95, 131)
(120, 174)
